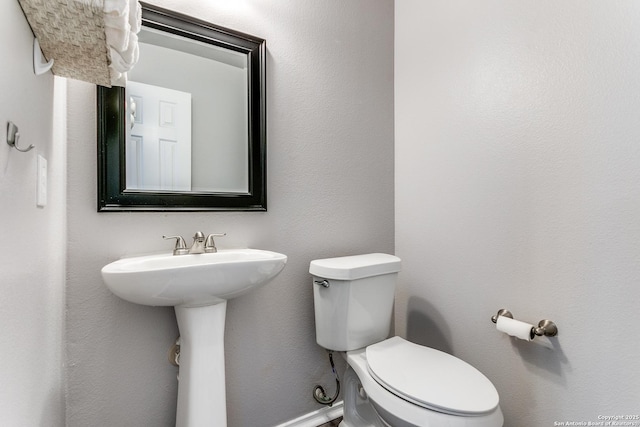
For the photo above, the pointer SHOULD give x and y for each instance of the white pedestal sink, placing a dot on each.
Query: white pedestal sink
(199, 287)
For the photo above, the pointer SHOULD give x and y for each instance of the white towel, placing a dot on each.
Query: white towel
(123, 61)
(135, 16)
(117, 78)
(117, 27)
(122, 22)
(118, 38)
(119, 7)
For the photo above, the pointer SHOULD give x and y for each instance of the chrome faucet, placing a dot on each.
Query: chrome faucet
(198, 243)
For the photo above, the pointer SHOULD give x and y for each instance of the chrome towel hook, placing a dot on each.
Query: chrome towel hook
(13, 136)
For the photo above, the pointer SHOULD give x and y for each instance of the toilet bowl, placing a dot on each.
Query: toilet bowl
(391, 381)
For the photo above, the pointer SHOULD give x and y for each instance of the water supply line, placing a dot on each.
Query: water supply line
(318, 392)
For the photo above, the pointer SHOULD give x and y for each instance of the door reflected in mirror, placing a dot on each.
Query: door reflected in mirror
(188, 132)
(158, 150)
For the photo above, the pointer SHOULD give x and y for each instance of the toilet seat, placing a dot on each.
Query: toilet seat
(397, 411)
(430, 378)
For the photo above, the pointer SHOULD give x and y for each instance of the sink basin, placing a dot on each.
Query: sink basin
(195, 279)
(198, 286)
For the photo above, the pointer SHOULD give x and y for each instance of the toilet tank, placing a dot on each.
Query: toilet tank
(353, 299)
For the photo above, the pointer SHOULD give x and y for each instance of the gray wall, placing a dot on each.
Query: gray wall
(330, 178)
(518, 186)
(33, 247)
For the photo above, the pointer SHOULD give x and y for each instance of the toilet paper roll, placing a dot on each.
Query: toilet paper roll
(515, 328)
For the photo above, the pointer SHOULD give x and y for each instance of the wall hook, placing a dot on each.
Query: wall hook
(13, 136)
(40, 65)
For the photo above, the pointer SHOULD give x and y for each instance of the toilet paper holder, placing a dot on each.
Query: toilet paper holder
(545, 327)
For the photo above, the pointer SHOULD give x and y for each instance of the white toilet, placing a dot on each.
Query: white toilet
(391, 381)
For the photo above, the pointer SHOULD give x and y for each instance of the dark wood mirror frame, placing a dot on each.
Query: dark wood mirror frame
(112, 192)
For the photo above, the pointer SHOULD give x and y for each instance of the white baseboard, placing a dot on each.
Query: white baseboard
(316, 418)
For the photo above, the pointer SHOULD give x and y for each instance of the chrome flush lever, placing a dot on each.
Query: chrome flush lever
(324, 283)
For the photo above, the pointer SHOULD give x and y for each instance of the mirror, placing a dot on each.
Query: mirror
(188, 133)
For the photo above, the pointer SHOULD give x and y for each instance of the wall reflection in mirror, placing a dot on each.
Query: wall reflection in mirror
(188, 132)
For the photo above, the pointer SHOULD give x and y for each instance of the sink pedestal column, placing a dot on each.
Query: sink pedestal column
(201, 386)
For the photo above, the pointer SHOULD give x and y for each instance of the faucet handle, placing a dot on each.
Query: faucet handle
(181, 245)
(210, 244)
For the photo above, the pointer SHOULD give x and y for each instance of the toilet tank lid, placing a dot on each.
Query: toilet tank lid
(355, 267)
